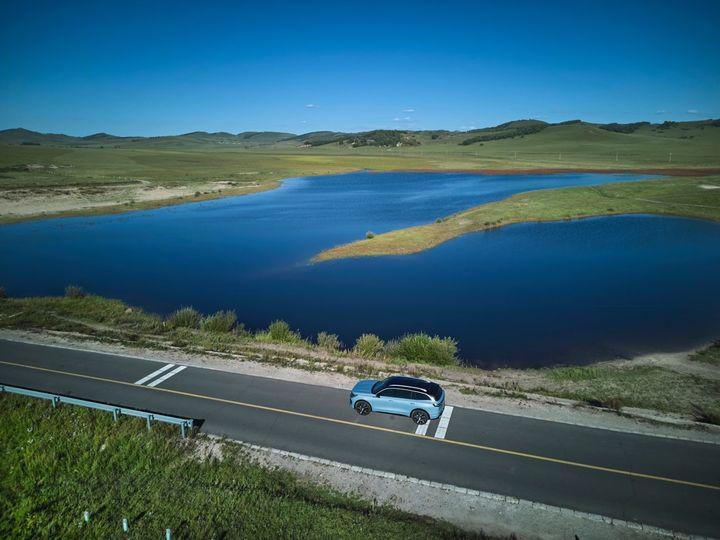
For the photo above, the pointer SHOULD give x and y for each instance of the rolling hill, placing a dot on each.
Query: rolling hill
(535, 134)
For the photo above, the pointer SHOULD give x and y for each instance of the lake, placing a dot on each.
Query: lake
(523, 295)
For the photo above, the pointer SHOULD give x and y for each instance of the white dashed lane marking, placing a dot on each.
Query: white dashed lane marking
(444, 423)
(167, 376)
(155, 374)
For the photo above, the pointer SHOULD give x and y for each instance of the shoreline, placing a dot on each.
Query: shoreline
(680, 196)
(683, 172)
(125, 208)
(122, 208)
(636, 386)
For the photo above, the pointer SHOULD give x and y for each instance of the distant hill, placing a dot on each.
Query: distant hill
(377, 137)
(25, 136)
(380, 138)
(508, 130)
(20, 136)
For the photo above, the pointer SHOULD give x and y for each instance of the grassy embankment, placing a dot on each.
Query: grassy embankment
(58, 463)
(694, 393)
(100, 177)
(676, 196)
(84, 181)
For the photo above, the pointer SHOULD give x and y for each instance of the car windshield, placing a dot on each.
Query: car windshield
(380, 385)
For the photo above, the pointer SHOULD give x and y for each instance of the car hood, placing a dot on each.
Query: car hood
(364, 387)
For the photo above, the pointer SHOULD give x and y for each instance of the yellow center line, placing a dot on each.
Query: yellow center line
(503, 451)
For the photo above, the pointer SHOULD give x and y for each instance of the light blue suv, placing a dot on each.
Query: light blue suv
(419, 399)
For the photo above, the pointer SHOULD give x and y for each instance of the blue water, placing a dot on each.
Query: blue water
(523, 295)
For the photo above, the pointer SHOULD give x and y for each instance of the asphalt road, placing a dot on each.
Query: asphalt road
(667, 483)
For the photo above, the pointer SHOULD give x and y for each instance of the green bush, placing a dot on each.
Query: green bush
(75, 291)
(221, 321)
(330, 342)
(369, 235)
(280, 331)
(241, 331)
(369, 346)
(424, 349)
(3, 294)
(185, 317)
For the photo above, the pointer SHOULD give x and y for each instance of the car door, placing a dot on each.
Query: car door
(387, 401)
(421, 401)
(404, 403)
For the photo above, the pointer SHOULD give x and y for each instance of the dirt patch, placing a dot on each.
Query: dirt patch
(20, 204)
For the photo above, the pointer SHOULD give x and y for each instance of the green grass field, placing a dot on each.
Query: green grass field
(58, 463)
(677, 196)
(112, 174)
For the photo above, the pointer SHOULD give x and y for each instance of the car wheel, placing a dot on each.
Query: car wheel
(363, 408)
(419, 416)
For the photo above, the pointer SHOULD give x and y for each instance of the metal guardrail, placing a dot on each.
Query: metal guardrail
(116, 410)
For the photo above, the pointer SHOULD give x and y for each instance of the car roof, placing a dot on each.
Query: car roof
(418, 385)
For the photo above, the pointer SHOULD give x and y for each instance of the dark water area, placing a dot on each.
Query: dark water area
(523, 295)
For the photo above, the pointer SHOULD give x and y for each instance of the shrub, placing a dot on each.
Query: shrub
(221, 321)
(185, 317)
(75, 291)
(330, 342)
(3, 294)
(369, 346)
(424, 349)
(280, 331)
(392, 348)
(241, 331)
(369, 235)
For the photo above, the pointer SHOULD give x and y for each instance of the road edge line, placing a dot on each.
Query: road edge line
(466, 444)
(508, 499)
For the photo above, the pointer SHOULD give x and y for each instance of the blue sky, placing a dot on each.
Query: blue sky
(151, 68)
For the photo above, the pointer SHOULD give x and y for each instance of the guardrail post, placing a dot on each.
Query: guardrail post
(125, 525)
(86, 516)
(58, 399)
(168, 534)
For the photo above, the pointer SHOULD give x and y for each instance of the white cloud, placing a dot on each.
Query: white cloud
(303, 121)
(311, 106)
(693, 111)
(661, 111)
(408, 110)
(467, 128)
